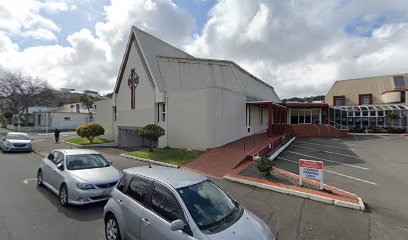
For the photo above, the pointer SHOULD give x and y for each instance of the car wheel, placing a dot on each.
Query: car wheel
(112, 231)
(39, 178)
(63, 195)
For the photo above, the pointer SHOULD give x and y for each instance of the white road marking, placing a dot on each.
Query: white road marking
(346, 164)
(347, 155)
(340, 174)
(26, 181)
(325, 145)
(337, 141)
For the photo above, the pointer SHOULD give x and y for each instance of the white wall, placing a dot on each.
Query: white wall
(144, 112)
(191, 119)
(76, 119)
(230, 116)
(104, 117)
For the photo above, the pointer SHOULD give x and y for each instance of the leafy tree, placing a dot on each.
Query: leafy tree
(88, 102)
(391, 117)
(305, 99)
(152, 133)
(109, 95)
(18, 92)
(90, 131)
(265, 165)
(7, 114)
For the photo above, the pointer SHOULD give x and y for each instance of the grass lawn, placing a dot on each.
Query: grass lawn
(176, 156)
(84, 141)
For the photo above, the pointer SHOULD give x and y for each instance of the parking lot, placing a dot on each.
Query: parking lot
(28, 212)
(373, 167)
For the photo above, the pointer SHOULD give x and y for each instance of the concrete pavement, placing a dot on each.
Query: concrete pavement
(27, 212)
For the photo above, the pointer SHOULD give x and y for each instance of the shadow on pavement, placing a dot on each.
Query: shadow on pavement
(81, 213)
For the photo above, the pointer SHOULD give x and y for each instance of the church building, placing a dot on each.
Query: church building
(201, 103)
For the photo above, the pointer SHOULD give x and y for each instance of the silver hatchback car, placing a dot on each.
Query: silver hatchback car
(154, 203)
(78, 176)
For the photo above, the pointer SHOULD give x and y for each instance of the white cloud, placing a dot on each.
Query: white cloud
(301, 47)
(24, 18)
(92, 60)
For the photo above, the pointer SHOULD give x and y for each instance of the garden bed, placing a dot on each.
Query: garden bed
(175, 156)
(287, 183)
(84, 141)
(277, 177)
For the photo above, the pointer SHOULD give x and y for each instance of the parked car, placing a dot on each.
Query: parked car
(164, 203)
(16, 141)
(78, 176)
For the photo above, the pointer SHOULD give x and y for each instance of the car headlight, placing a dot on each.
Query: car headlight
(85, 186)
(8, 144)
(29, 144)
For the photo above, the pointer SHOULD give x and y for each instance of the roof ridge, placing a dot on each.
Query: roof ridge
(150, 35)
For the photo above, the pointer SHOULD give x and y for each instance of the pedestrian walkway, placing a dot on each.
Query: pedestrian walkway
(217, 162)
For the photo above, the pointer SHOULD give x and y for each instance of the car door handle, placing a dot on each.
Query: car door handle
(120, 201)
(145, 221)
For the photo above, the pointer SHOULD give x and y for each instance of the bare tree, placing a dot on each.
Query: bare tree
(20, 92)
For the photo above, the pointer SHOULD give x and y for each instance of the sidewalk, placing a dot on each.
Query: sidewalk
(45, 145)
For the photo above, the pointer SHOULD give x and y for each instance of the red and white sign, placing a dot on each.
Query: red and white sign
(311, 169)
(310, 164)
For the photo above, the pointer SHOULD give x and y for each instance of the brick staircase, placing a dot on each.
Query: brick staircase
(314, 130)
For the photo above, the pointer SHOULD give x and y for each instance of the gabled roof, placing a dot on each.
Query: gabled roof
(150, 49)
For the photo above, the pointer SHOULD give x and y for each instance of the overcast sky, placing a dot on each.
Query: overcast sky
(298, 46)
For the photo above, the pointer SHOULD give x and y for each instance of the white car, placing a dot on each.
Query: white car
(78, 176)
(16, 141)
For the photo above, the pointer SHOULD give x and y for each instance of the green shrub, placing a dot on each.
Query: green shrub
(265, 165)
(151, 132)
(90, 131)
(7, 114)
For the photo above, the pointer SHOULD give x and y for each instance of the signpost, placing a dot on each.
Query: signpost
(312, 170)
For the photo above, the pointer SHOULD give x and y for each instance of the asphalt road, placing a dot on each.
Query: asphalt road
(373, 167)
(28, 212)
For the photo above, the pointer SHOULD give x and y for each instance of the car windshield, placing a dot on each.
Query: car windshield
(207, 203)
(17, 136)
(86, 161)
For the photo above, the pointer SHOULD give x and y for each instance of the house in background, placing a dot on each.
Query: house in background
(201, 103)
(365, 102)
(66, 117)
(28, 114)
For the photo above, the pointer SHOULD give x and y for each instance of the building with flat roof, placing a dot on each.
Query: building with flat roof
(201, 103)
(365, 103)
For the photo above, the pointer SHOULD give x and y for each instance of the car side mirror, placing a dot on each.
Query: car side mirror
(60, 166)
(110, 162)
(4, 138)
(177, 225)
(50, 156)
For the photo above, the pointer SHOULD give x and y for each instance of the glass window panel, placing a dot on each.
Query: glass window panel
(399, 81)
